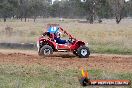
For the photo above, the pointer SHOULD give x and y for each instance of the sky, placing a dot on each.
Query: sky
(126, 0)
(54, 0)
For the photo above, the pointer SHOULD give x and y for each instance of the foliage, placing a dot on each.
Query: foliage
(91, 9)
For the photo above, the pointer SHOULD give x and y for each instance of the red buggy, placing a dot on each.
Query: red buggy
(47, 43)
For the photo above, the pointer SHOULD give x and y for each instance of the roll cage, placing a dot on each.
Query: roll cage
(52, 34)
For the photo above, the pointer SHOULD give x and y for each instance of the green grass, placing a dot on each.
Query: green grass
(37, 76)
(109, 49)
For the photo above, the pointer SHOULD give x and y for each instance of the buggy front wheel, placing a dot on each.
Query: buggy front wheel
(83, 52)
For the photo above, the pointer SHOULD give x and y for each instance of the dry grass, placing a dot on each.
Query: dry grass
(106, 35)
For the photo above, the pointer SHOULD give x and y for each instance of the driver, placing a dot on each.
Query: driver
(58, 39)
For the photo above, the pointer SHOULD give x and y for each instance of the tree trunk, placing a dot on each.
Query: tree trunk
(100, 20)
(21, 18)
(25, 19)
(118, 20)
(4, 19)
(34, 18)
(91, 19)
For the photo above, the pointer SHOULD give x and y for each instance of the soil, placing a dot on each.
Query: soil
(114, 63)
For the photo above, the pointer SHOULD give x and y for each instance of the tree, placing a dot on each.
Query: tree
(6, 9)
(90, 9)
(93, 9)
(118, 7)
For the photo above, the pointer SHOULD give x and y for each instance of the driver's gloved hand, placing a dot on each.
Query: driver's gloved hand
(68, 41)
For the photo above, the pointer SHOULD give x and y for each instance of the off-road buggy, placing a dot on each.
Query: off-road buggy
(47, 44)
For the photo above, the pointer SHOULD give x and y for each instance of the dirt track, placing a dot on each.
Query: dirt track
(114, 63)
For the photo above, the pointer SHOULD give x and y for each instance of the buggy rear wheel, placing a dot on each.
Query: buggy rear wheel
(46, 50)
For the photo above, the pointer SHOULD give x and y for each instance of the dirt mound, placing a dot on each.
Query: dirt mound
(62, 61)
